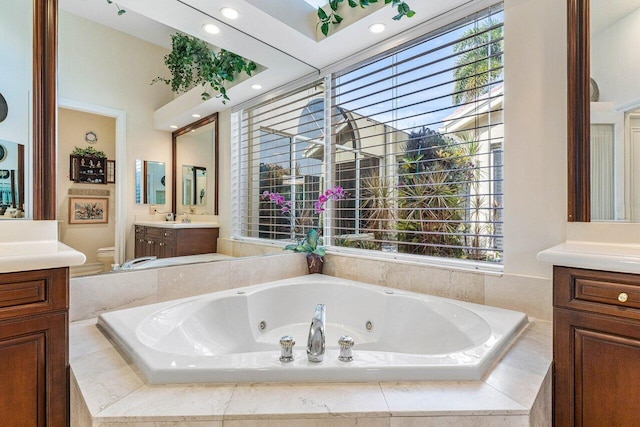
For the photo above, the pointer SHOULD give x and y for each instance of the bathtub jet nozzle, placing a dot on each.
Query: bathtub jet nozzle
(316, 341)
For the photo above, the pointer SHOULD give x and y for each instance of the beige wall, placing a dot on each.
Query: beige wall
(108, 68)
(72, 127)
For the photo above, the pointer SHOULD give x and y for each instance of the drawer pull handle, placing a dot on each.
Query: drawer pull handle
(623, 297)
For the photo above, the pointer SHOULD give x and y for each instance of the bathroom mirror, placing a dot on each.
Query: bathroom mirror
(150, 182)
(11, 180)
(21, 95)
(195, 158)
(194, 185)
(604, 106)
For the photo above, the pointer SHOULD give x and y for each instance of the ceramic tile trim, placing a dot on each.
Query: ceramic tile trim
(499, 395)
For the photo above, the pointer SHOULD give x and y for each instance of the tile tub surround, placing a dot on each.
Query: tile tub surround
(93, 295)
(107, 390)
(532, 295)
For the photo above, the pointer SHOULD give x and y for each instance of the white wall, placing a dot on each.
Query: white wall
(104, 67)
(615, 63)
(16, 41)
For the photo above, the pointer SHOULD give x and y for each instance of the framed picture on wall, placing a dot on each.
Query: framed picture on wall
(84, 210)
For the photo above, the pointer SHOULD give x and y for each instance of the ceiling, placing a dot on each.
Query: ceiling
(605, 13)
(280, 35)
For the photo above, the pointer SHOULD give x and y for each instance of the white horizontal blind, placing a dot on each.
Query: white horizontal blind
(418, 138)
(416, 141)
(282, 150)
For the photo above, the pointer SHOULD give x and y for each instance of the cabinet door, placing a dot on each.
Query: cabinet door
(33, 371)
(140, 243)
(597, 370)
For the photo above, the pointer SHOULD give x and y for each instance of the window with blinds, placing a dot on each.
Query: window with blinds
(282, 153)
(415, 138)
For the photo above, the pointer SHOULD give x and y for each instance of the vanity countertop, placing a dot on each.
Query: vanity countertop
(623, 258)
(178, 224)
(34, 255)
(33, 245)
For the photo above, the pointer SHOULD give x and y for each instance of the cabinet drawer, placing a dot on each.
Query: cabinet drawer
(168, 234)
(32, 292)
(607, 292)
(153, 232)
(597, 291)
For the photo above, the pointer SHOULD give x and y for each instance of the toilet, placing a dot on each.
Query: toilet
(106, 256)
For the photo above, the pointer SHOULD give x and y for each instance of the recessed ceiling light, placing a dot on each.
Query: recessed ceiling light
(173, 127)
(195, 116)
(229, 12)
(211, 28)
(377, 28)
(256, 87)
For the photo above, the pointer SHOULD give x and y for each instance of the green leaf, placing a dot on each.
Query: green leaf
(325, 28)
(397, 17)
(320, 250)
(337, 19)
(352, 3)
(333, 4)
(312, 238)
(291, 247)
(322, 14)
(411, 14)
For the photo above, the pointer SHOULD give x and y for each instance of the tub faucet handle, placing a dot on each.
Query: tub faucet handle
(346, 343)
(286, 348)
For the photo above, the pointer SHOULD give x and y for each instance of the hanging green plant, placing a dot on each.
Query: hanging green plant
(88, 152)
(192, 62)
(332, 18)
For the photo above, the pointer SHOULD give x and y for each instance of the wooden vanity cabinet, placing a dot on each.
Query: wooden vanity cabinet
(596, 348)
(34, 345)
(171, 242)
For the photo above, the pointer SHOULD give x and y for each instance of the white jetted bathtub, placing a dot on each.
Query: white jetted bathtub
(233, 336)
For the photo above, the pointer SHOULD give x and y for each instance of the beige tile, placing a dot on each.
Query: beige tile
(80, 416)
(384, 273)
(465, 421)
(338, 265)
(248, 249)
(85, 338)
(294, 265)
(449, 284)
(532, 295)
(170, 403)
(253, 270)
(91, 296)
(448, 398)
(195, 279)
(104, 378)
(332, 422)
(274, 401)
(209, 423)
(225, 246)
(522, 370)
(541, 413)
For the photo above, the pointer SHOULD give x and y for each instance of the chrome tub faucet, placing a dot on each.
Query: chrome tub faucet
(316, 341)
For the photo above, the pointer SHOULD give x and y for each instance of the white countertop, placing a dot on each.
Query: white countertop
(33, 245)
(623, 258)
(178, 224)
(25, 256)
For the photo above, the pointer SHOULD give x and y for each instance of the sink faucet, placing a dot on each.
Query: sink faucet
(315, 343)
(186, 218)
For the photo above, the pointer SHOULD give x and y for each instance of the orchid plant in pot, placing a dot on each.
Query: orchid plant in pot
(312, 243)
